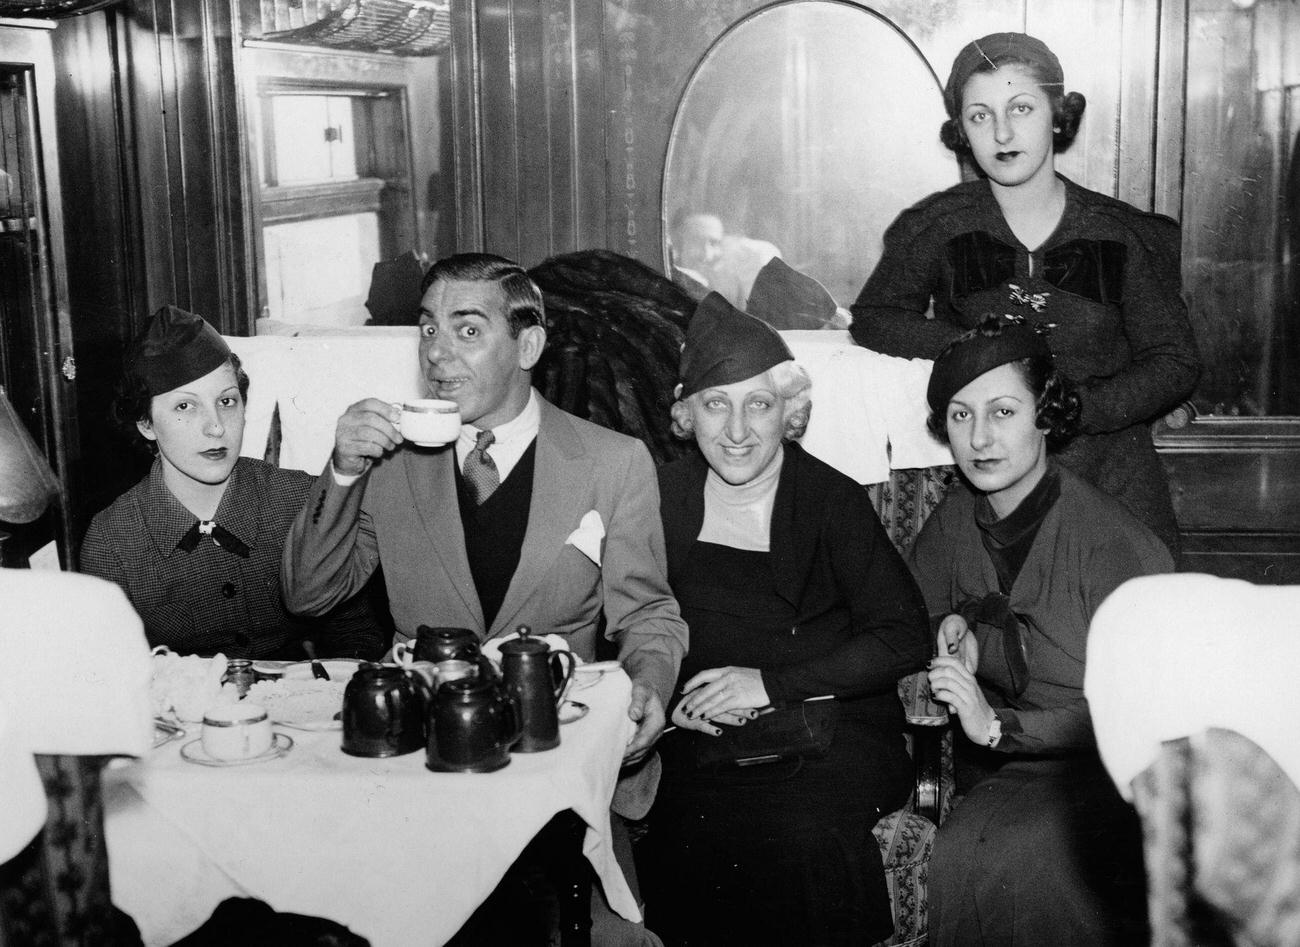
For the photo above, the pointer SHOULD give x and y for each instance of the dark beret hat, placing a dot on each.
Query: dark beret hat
(176, 348)
(784, 298)
(994, 342)
(724, 345)
(992, 50)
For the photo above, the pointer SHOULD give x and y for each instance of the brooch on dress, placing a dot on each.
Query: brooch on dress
(1035, 301)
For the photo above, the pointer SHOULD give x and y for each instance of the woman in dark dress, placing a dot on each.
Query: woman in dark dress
(1013, 564)
(792, 592)
(1025, 240)
(196, 544)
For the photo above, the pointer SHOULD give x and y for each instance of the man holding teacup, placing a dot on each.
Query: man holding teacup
(530, 516)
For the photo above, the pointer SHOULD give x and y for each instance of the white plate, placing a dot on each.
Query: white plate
(298, 703)
(339, 669)
(311, 726)
(193, 752)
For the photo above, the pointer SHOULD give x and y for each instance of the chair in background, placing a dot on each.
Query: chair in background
(74, 687)
(1221, 839)
(1190, 681)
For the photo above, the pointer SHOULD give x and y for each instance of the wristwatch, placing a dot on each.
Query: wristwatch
(995, 731)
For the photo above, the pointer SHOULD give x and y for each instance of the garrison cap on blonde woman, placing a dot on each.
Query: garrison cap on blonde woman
(724, 345)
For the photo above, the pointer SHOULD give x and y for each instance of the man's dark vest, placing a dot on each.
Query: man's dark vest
(494, 532)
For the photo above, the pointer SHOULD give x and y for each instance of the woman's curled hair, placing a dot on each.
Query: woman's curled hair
(792, 383)
(1057, 405)
(1067, 109)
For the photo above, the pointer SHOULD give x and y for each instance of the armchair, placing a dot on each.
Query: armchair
(906, 837)
(1221, 840)
(1208, 750)
(73, 690)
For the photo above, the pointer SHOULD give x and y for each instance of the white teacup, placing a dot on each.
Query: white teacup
(429, 422)
(236, 731)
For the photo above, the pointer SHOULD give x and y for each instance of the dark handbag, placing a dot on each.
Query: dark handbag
(803, 731)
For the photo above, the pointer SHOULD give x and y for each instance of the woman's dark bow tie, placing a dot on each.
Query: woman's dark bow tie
(220, 535)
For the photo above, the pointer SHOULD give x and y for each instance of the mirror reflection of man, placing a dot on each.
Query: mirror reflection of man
(696, 238)
(492, 558)
(707, 257)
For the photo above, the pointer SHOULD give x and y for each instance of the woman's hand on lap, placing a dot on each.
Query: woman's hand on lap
(719, 690)
(732, 718)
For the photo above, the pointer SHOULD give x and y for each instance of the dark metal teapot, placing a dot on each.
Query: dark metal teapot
(445, 644)
(384, 711)
(472, 724)
(536, 677)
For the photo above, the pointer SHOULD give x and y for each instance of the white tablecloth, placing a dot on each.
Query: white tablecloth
(399, 854)
(868, 414)
(313, 379)
(868, 410)
(1170, 656)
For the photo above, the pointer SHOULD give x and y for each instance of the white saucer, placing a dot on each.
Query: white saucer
(571, 711)
(588, 675)
(193, 752)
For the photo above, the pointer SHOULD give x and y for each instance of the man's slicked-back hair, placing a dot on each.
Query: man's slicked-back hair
(524, 306)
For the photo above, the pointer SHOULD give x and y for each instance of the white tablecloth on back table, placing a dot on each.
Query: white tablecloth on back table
(868, 413)
(399, 854)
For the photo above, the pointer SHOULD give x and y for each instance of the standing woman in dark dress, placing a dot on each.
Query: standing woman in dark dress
(792, 591)
(1013, 564)
(1025, 240)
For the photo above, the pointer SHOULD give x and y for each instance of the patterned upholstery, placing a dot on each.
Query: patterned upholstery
(55, 891)
(1221, 837)
(906, 837)
(906, 841)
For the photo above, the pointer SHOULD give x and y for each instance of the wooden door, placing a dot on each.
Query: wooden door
(37, 367)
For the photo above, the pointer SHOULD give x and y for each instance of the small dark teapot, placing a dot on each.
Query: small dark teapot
(384, 711)
(438, 644)
(472, 723)
(536, 677)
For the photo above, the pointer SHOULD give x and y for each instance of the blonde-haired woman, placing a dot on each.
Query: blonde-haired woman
(793, 594)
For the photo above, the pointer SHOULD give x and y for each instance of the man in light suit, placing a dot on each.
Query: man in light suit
(567, 529)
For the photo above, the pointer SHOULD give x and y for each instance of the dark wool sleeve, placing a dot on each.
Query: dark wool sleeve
(890, 634)
(889, 315)
(1165, 364)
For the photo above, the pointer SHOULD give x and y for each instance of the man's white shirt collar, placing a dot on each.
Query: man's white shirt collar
(511, 438)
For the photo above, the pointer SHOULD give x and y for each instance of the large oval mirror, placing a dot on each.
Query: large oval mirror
(803, 132)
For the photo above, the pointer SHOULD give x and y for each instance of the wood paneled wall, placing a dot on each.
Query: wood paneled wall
(564, 108)
(557, 116)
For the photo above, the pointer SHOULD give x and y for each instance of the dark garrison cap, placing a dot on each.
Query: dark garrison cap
(724, 345)
(994, 342)
(992, 50)
(784, 298)
(176, 348)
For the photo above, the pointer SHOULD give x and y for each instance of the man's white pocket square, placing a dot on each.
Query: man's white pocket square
(586, 538)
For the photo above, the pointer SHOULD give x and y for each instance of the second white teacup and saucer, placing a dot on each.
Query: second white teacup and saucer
(236, 734)
(429, 422)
